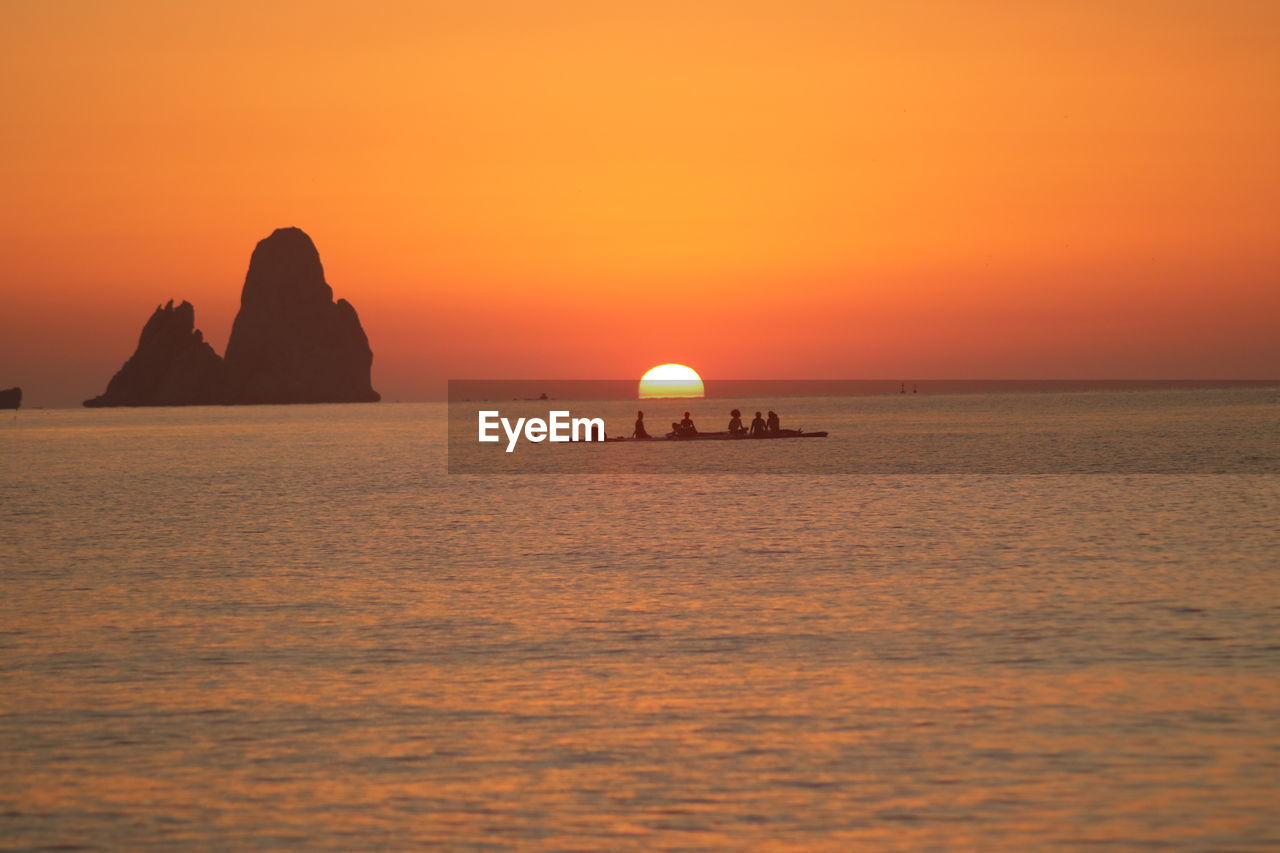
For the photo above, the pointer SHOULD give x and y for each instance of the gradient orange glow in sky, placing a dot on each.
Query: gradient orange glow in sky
(757, 189)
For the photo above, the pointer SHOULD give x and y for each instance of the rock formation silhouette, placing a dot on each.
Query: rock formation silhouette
(172, 366)
(290, 343)
(10, 398)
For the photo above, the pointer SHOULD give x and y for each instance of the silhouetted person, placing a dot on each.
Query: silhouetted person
(773, 424)
(639, 430)
(758, 427)
(735, 423)
(686, 425)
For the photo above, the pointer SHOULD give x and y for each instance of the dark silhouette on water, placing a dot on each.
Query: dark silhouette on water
(290, 343)
(10, 398)
(172, 366)
(735, 423)
(684, 430)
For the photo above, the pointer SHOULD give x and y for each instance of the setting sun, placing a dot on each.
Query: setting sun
(671, 380)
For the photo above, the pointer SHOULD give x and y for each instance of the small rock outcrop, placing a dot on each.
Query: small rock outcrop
(10, 398)
(172, 366)
(290, 343)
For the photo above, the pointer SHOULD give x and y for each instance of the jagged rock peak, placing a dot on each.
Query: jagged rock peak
(173, 365)
(290, 343)
(168, 321)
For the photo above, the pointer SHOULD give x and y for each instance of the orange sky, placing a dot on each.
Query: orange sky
(759, 189)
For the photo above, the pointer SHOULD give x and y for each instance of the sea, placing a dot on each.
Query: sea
(273, 627)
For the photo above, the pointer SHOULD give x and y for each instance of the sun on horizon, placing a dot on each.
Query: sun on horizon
(671, 380)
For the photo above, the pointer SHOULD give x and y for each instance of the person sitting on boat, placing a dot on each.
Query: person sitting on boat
(687, 427)
(735, 423)
(639, 431)
(758, 427)
(774, 425)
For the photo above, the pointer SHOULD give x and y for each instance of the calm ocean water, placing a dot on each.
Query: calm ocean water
(289, 626)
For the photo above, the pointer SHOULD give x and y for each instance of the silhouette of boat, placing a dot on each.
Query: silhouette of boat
(728, 436)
